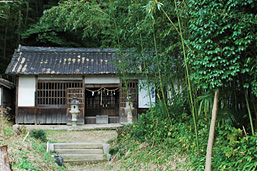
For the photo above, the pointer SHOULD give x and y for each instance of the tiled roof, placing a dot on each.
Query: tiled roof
(6, 83)
(55, 60)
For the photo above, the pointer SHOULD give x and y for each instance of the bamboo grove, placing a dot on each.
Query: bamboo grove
(187, 49)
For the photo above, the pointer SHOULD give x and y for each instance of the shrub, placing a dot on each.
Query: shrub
(39, 134)
(232, 150)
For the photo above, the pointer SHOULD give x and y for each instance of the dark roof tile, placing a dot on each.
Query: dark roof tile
(54, 60)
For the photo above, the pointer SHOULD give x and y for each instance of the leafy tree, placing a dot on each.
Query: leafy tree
(15, 18)
(123, 24)
(51, 35)
(222, 43)
(8, 26)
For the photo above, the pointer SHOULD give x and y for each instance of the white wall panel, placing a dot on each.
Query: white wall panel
(102, 80)
(143, 95)
(26, 91)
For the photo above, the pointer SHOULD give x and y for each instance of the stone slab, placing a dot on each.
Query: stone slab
(79, 127)
(101, 119)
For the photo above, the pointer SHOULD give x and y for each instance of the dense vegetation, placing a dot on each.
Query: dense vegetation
(166, 140)
(190, 49)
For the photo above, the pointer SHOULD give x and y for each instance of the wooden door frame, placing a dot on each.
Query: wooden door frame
(99, 86)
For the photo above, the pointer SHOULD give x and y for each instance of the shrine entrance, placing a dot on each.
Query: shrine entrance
(101, 100)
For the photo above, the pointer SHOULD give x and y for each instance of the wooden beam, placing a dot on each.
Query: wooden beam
(101, 85)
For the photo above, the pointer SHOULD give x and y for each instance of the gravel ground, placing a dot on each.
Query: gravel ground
(81, 136)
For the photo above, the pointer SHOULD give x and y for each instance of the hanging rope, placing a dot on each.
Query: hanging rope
(100, 92)
(102, 89)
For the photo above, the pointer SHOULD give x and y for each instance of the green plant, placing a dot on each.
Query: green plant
(232, 151)
(5, 128)
(38, 134)
(25, 164)
(156, 139)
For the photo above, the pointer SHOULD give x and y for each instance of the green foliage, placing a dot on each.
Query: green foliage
(51, 35)
(148, 126)
(25, 164)
(222, 41)
(144, 155)
(233, 150)
(125, 24)
(38, 134)
(28, 160)
(15, 18)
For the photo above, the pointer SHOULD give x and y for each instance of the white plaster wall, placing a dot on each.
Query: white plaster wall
(26, 91)
(176, 87)
(143, 95)
(102, 80)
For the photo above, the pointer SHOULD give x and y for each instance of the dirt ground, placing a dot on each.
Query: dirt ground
(81, 136)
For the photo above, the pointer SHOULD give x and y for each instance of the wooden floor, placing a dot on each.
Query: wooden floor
(79, 127)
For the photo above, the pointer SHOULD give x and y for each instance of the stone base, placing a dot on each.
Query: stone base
(101, 119)
(74, 128)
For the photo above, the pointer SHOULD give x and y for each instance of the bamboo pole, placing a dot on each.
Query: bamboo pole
(187, 70)
(249, 113)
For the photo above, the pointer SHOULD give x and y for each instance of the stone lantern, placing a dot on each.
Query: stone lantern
(129, 108)
(74, 110)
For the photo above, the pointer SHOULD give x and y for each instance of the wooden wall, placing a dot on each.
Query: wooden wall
(33, 115)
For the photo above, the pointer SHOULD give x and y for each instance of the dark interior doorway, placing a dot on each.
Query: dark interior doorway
(102, 101)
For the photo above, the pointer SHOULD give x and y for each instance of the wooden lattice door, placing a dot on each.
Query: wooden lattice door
(79, 92)
(132, 88)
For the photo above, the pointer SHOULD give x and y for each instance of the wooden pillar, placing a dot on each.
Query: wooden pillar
(84, 107)
(4, 160)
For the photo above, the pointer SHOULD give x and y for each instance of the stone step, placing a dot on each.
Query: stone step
(78, 146)
(79, 151)
(82, 157)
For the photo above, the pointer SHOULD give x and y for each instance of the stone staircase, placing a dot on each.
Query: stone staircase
(79, 152)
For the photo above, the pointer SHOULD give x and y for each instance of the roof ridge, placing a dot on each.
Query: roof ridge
(65, 49)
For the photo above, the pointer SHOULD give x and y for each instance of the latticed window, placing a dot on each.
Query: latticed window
(132, 88)
(53, 93)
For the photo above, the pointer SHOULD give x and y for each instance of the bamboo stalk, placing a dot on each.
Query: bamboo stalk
(160, 77)
(146, 75)
(249, 113)
(188, 79)
(123, 73)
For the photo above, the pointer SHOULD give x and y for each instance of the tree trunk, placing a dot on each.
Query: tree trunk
(211, 134)
(4, 160)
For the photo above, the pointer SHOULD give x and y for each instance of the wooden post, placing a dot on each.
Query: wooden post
(212, 130)
(4, 160)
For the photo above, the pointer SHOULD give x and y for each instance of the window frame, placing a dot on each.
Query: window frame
(53, 93)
